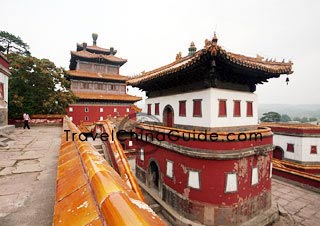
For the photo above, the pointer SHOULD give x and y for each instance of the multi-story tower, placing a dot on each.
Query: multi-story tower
(206, 156)
(95, 80)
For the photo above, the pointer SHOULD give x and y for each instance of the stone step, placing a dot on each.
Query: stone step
(4, 139)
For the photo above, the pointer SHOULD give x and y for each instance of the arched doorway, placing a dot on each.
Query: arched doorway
(153, 176)
(278, 153)
(168, 116)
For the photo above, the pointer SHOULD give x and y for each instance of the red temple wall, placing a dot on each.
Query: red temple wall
(78, 114)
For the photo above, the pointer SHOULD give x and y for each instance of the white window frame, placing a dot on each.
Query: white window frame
(101, 109)
(101, 118)
(254, 176)
(194, 175)
(86, 118)
(169, 168)
(130, 143)
(142, 154)
(71, 118)
(70, 109)
(231, 182)
(114, 110)
(86, 109)
(128, 110)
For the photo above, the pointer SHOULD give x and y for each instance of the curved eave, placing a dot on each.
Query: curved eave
(268, 68)
(167, 70)
(75, 74)
(251, 67)
(99, 57)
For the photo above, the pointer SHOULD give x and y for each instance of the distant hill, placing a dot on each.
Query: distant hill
(293, 110)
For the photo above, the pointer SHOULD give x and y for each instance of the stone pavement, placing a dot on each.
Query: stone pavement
(301, 205)
(28, 176)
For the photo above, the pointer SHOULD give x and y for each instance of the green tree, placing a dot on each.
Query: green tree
(312, 119)
(37, 86)
(10, 43)
(285, 118)
(304, 119)
(297, 119)
(271, 117)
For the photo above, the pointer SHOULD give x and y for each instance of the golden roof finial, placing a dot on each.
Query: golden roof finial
(214, 39)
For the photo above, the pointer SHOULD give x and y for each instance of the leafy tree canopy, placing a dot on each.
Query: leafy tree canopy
(297, 119)
(37, 86)
(10, 43)
(271, 117)
(285, 118)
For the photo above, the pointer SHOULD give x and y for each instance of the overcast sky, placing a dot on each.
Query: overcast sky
(150, 34)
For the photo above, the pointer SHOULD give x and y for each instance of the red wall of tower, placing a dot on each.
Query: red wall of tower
(212, 175)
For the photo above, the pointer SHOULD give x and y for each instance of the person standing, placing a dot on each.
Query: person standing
(26, 118)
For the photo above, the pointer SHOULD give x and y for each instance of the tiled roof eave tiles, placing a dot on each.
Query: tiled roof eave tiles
(107, 97)
(217, 52)
(96, 75)
(89, 55)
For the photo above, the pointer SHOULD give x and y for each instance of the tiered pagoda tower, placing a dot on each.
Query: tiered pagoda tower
(207, 157)
(95, 80)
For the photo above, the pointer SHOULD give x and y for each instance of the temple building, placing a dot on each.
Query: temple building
(298, 143)
(4, 77)
(206, 156)
(96, 81)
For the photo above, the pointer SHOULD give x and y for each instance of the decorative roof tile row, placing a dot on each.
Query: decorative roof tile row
(90, 192)
(89, 74)
(105, 96)
(94, 48)
(88, 55)
(217, 52)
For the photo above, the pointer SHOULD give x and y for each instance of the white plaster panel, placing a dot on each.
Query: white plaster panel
(230, 96)
(141, 154)
(169, 170)
(193, 179)
(210, 107)
(232, 182)
(254, 176)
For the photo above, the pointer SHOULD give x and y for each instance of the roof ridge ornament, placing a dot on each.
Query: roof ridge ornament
(179, 56)
(192, 49)
(214, 39)
(207, 43)
(94, 37)
(259, 57)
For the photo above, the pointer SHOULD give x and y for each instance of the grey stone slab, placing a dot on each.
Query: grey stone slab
(7, 171)
(17, 183)
(29, 155)
(7, 162)
(27, 168)
(307, 212)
